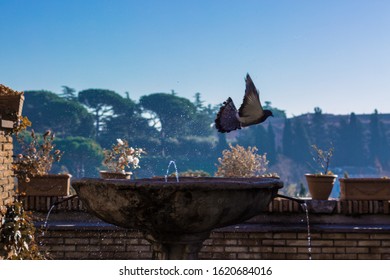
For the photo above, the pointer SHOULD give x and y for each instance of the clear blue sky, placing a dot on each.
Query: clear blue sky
(300, 54)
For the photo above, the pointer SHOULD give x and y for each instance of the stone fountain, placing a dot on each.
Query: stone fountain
(176, 217)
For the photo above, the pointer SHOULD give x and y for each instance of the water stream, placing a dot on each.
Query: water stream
(304, 207)
(47, 216)
(176, 173)
(44, 227)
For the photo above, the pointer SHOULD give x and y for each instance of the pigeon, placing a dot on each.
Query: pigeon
(251, 112)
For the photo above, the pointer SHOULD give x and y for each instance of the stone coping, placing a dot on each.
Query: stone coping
(278, 205)
(276, 227)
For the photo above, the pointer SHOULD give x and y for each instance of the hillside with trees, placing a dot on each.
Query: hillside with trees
(170, 127)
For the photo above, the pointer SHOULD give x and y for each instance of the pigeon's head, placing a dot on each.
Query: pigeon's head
(268, 113)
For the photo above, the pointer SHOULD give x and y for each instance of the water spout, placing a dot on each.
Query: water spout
(176, 173)
(54, 205)
(304, 207)
(300, 201)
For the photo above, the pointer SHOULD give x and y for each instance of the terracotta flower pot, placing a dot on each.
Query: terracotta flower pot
(115, 175)
(46, 185)
(320, 186)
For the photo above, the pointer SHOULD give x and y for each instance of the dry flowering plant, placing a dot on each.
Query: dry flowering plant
(37, 156)
(322, 158)
(122, 157)
(10, 109)
(240, 162)
(6, 91)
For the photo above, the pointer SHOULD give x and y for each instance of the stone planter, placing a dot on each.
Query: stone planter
(46, 185)
(364, 188)
(320, 186)
(11, 106)
(114, 175)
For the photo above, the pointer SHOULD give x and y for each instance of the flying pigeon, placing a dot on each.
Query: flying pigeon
(251, 112)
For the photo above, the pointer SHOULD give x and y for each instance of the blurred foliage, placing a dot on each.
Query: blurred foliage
(17, 234)
(48, 111)
(83, 157)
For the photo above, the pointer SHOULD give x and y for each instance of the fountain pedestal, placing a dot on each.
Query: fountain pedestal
(183, 247)
(176, 217)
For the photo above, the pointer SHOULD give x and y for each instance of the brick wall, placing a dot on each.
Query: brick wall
(339, 230)
(228, 243)
(6, 179)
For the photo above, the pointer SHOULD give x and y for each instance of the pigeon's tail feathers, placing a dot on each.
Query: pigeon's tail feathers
(227, 117)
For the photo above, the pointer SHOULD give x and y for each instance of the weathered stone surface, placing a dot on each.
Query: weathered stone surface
(176, 213)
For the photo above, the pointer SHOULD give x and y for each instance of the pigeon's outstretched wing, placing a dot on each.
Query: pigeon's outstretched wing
(227, 117)
(251, 111)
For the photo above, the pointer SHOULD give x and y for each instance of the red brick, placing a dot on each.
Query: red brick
(296, 242)
(345, 256)
(263, 249)
(245, 256)
(114, 248)
(136, 248)
(271, 242)
(369, 256)
(345, 243)
(88, 248)
(297, 256)
(380, 250)
(64, 248)
(306, 250)
(236, 249)
(359, 236)
(322, 243)
(358, 250)
(285, 250)
(76, 241)
(339, 250)
(380, 236)
(333, 236)
(285, 235)
(370, 243)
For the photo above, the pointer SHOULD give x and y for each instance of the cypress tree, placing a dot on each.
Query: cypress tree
(271, 147)
(318, 129)
(287, 140)
(301, 143)
(378, 145)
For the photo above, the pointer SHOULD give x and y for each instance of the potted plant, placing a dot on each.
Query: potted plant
(321, 183)
(365, 188)
(33, 165)
(120, 159)
(11, 105)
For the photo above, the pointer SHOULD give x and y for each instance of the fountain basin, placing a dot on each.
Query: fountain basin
(176, 216)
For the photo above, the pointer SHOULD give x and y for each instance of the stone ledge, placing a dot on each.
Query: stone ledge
(278, 205)
(98, 225)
